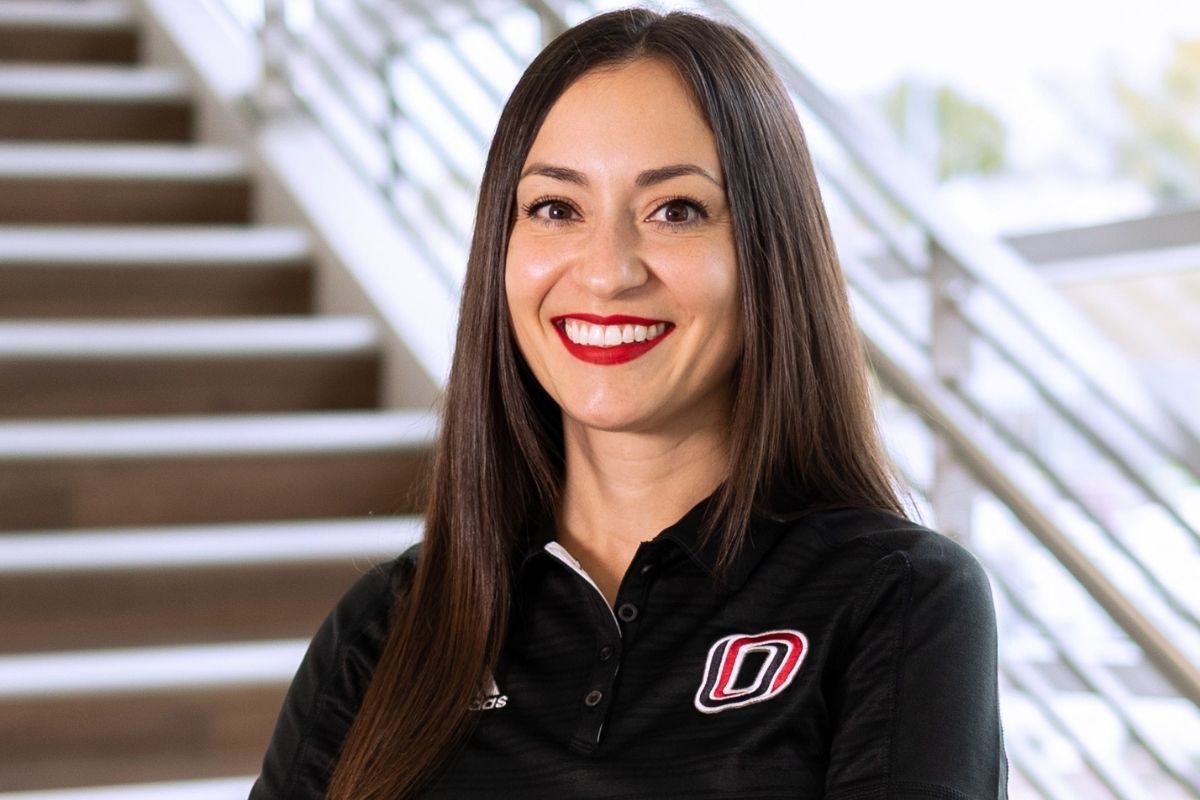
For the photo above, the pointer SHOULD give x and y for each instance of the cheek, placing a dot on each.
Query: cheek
(705, 282)
(528, 277)
(520, 288)
(713, 293)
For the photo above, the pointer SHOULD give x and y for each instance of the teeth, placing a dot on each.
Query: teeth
(584, 333)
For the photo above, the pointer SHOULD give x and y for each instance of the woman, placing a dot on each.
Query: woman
(664, 552)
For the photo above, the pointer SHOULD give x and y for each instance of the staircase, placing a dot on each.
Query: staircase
(193, 464)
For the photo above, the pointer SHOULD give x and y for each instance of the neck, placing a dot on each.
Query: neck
(622, 489)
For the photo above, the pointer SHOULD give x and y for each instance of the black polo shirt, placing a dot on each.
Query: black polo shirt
(847, 655)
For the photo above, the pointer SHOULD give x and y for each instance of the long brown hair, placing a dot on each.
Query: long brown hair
(802, 423)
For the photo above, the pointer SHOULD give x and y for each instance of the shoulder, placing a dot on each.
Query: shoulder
(381, 584)
(329, 685)
(353, 634)
(373, 595)
(887, 553)
(872, 536)
(917, 655)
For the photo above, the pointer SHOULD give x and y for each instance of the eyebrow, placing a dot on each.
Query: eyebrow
(645, 178)
(565, 174)
(652, 176)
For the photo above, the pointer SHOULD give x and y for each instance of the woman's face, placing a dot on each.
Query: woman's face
(621, 273)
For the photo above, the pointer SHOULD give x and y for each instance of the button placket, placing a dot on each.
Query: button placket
(598, 691)
(634, 591)
(631, 600)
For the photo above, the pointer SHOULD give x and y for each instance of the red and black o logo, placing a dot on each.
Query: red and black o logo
(744, 669)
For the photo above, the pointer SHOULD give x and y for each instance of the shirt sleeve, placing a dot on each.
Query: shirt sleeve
(325, 694)
(916, 714)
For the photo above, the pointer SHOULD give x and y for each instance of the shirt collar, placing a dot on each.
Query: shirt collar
(687, 535)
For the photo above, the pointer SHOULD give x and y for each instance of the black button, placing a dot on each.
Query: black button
(627, 612)
(606, 653)
(593, 697)
(646, 568)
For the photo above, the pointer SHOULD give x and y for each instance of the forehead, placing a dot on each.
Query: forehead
(632, 116)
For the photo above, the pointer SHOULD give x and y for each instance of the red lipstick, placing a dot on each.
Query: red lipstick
(616, 354)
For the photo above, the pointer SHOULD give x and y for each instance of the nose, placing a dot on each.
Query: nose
(610, 262)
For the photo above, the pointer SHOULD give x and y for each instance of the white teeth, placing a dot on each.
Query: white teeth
(584, 333)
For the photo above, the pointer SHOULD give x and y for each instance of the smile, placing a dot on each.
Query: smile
(609, 340)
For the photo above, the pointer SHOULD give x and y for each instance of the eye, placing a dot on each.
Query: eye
(550, 210)
(679, 211)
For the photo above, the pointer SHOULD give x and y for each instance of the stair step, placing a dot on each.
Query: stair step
(68, 30)
(64, 271)
(93, 102)
(121, 183)
(207, 789)
(103, 339)
(185, 470)
(184, 584)
(146, 714)
(106, 367)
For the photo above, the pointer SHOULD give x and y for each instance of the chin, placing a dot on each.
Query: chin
(609, 420)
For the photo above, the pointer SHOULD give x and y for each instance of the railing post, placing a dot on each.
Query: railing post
(395, 115)
(954, 490)
(273, 94)
(550, 13)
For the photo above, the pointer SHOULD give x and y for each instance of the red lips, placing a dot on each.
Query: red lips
(616, 354)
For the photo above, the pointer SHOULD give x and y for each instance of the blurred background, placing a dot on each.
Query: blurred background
(232, 234)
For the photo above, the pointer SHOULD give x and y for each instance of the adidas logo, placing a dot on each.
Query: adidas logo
(488, 703)
(490, 700)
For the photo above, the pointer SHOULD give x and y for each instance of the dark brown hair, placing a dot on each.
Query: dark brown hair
(802, 424)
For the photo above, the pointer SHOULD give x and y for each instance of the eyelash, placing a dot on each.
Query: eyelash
(695, 204)
(529, 210)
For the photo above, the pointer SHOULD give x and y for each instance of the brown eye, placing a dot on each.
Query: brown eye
(558, 211)
(550, 211)
(677, 211)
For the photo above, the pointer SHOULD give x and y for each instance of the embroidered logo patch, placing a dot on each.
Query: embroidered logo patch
(744, 669)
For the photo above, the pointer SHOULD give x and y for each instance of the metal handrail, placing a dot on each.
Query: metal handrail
(1005, 433)
(1096, 681)
(338, 31)
(947, 416)
(983, 262)
(1114, 777)
(973, 259)
(1102, 686)
(1043, 780)
(1025, 678)
(469, 66)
